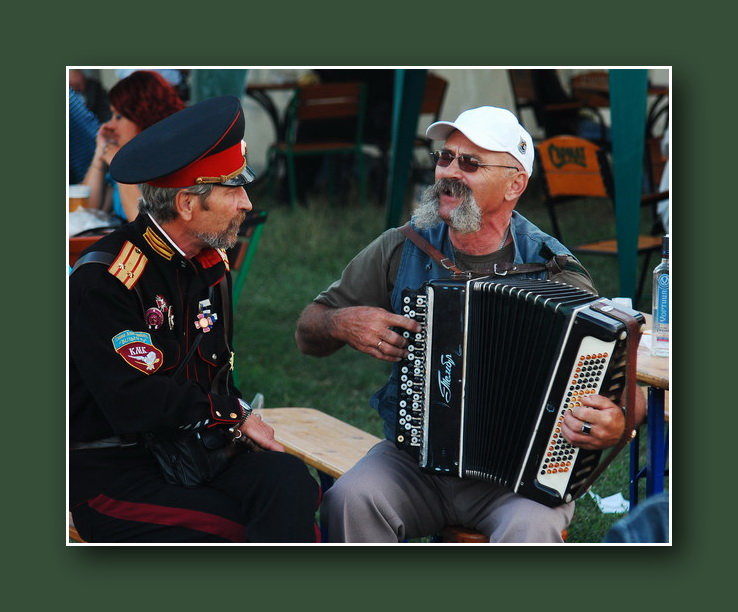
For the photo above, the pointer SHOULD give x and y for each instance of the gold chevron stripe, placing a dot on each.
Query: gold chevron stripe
(128, 265)
(224, 256)
(158, 244)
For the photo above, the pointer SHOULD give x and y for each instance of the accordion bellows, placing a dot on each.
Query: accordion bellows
(488, 380)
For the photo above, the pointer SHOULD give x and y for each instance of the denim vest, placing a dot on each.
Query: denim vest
(531, 246)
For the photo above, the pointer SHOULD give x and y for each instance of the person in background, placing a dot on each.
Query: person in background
(138, 101)
(83, 127)
(92, 93)
(647, 523)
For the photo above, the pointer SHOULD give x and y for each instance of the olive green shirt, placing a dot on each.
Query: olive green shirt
(369, 278)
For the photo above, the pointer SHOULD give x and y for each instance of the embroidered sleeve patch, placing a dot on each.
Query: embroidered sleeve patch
(137, 350)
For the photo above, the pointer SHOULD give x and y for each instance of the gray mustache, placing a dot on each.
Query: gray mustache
(452, 187)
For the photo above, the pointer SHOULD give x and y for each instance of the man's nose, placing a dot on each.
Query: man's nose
(244, 202)
(451, 171)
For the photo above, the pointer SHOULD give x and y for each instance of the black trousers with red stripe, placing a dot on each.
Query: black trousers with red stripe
(266, 497)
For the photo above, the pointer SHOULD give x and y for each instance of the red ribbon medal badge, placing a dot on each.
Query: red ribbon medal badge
(138, 351)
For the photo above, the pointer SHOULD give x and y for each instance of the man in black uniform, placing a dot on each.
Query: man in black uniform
(150, 351)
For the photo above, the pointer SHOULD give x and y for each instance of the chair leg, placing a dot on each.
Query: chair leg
(292, 180)
(554, 220)
(362, 177)
(272, 173)
(642, 280)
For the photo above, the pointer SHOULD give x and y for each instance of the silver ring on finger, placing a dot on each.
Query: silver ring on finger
(587, 428)
(379, 344)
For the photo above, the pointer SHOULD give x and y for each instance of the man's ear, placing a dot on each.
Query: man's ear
(517, 186)
(184, 203)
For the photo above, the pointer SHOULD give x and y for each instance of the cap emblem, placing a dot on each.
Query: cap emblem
(522, 146)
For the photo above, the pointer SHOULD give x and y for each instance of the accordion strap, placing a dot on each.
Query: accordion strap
(552, 266)
(628, 400)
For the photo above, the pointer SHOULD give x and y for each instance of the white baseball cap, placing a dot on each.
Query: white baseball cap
(492, 128)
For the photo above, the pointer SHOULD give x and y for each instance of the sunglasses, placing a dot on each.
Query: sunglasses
(466, 162)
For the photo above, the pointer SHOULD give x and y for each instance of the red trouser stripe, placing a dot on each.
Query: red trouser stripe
(164, 515)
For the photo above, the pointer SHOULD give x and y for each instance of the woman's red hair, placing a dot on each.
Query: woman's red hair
(145, 97)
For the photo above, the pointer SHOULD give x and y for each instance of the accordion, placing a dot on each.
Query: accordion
(489, 378)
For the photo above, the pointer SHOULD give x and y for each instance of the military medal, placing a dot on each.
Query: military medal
(205, 322)
(154, 318)
(205, 318)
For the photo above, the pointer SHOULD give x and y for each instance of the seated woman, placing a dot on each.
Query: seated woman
(136, 102)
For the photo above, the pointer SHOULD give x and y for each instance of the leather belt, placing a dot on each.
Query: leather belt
(111, 442)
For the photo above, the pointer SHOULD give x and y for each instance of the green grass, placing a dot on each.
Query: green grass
(301, 252)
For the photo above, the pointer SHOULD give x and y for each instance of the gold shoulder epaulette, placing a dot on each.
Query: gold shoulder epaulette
(129, 265)
(158, 244)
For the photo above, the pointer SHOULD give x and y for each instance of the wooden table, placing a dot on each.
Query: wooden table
(654, 372)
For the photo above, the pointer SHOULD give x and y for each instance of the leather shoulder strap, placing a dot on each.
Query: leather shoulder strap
(552, 266)
(429, 249)
(94, 257)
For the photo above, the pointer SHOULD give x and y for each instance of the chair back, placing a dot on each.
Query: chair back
(433, 96)
(523, 89)
(591, 88)
(573, 167)
(77, 244)
(327, 101)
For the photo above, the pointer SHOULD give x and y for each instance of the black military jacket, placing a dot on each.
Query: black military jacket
(131, 324)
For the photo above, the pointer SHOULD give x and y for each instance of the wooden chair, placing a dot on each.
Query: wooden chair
(591, 88)
(323, 102)
(556, 112)
(81, 241)
(573, 168)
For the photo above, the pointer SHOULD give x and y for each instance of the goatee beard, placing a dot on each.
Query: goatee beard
(225, 239)
(466, 218)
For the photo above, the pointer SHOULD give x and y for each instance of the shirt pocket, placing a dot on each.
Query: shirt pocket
(212, 349)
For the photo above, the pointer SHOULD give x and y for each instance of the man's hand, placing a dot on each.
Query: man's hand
(322, 330)
(368, 329)
(603, 419)
(262, 434)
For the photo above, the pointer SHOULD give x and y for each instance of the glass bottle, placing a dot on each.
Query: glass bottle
(660, 311)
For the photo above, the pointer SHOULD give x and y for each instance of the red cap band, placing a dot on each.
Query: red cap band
(220, 164)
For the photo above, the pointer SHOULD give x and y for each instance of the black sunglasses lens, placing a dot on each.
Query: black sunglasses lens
(444, 159)
(467, 164)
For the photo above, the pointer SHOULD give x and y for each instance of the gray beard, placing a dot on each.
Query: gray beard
(225, 239)
(466, 218)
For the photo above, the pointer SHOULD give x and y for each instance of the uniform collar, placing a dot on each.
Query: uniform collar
(166, 247)
(212, 262)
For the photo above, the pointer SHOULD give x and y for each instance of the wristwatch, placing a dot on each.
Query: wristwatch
(247, 410)
(236, 429)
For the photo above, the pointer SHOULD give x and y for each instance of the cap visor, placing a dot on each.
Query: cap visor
(247, 176)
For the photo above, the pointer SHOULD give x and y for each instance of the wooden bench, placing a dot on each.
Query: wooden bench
(332, 447)
(322, 441)
(329, 445)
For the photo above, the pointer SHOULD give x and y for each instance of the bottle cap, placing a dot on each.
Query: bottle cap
(665, 247)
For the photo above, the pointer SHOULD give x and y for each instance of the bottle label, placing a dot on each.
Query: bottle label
(662, 309)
